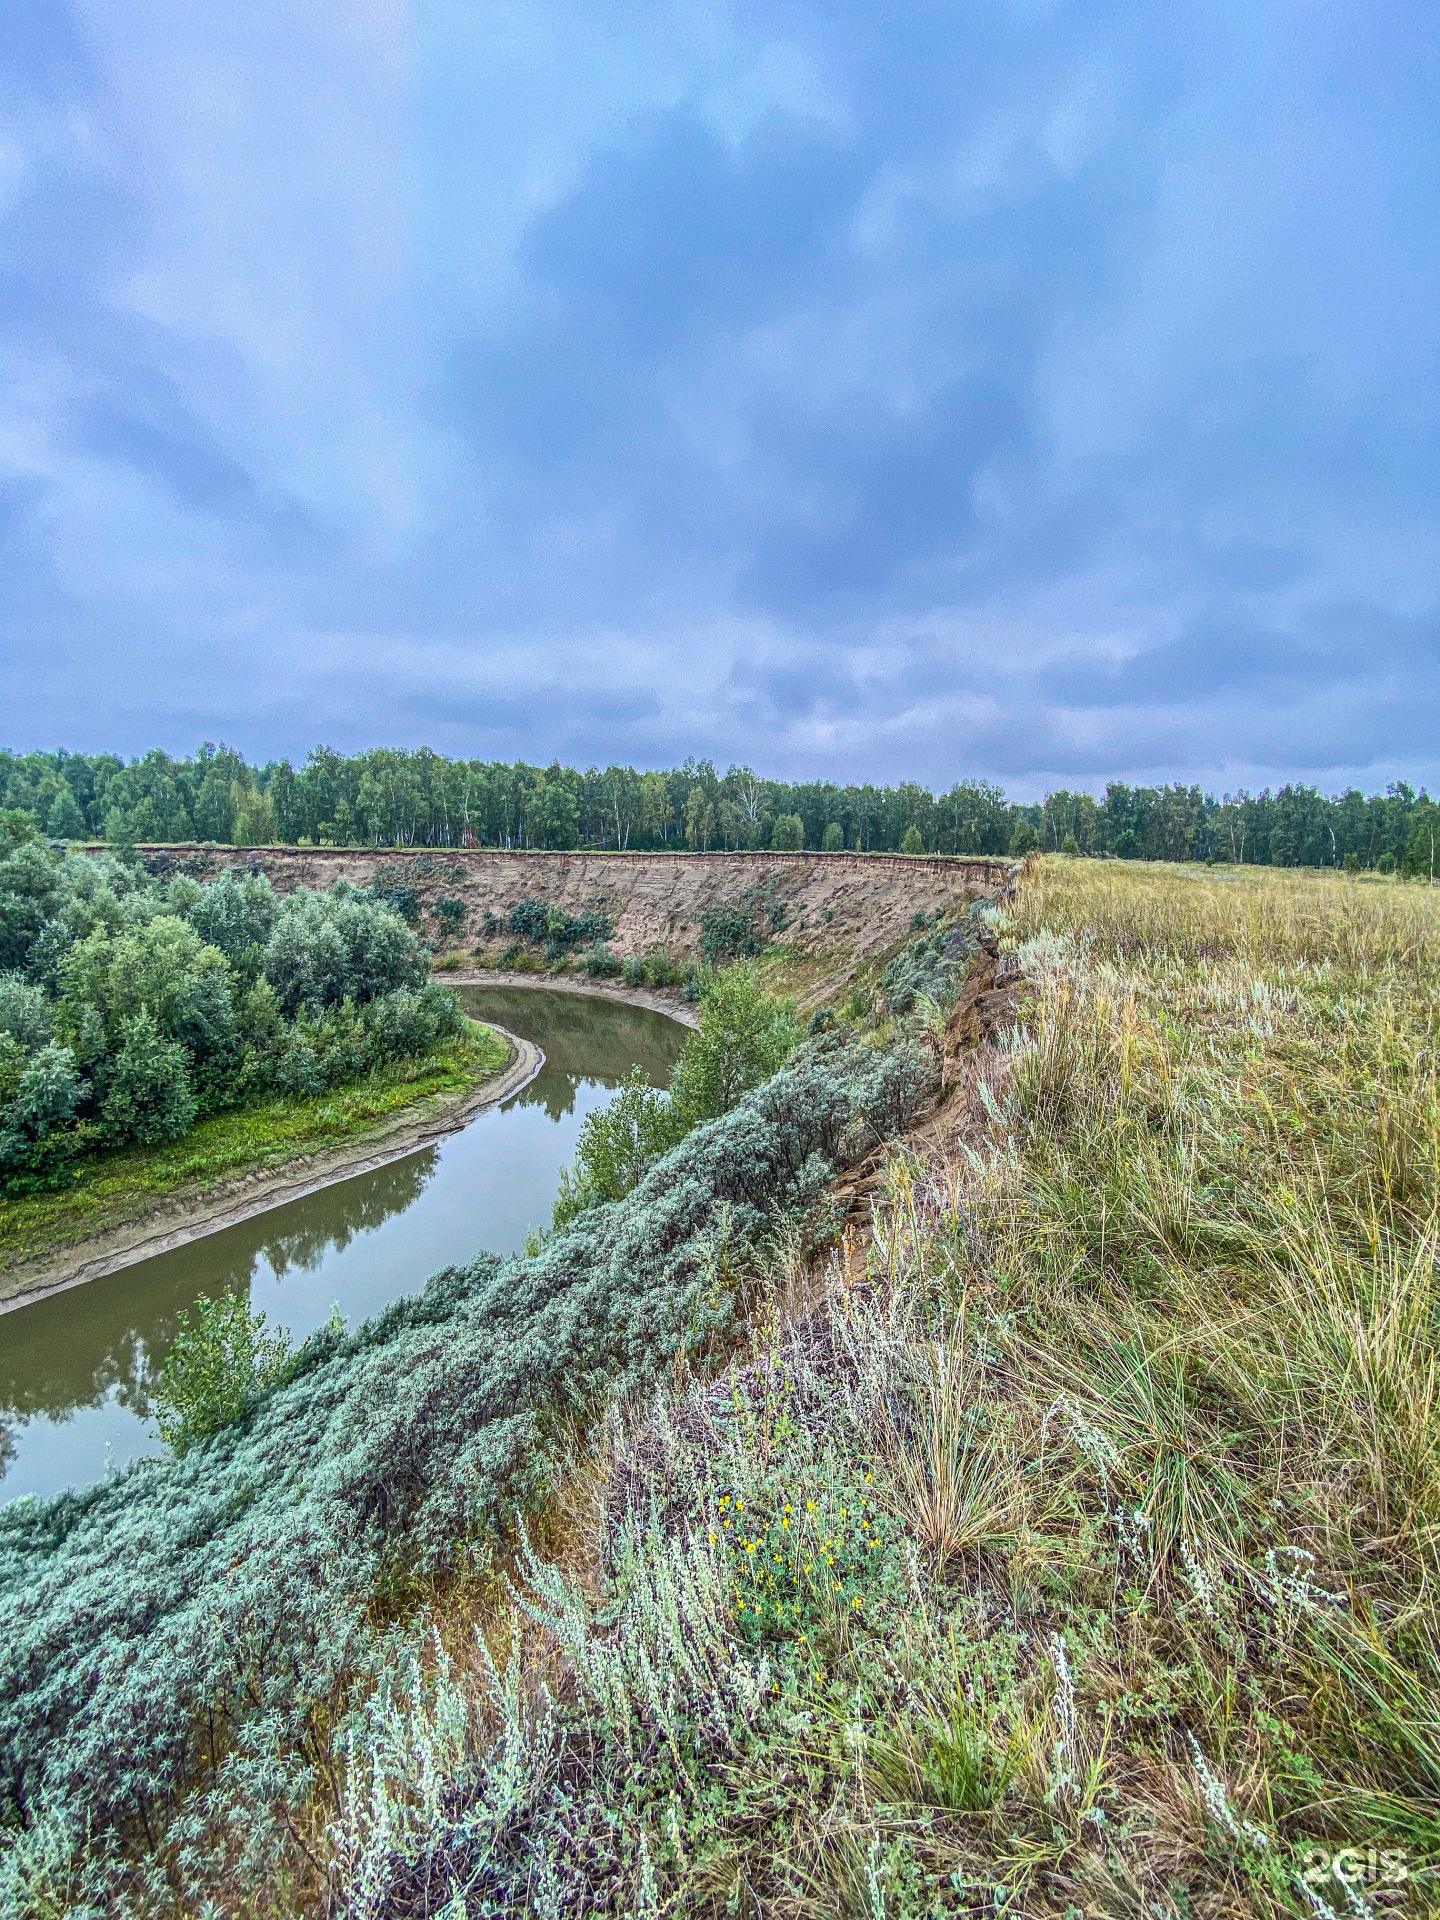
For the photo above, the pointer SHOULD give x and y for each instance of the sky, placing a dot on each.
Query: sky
(1039, 390)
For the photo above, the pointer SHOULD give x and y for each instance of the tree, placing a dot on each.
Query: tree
(834, 840)
(789, 834)
(745, 1035)
(615, 1142)
(37, 1135)
(1023, 839)
(149, 1098)
(65, 820)
(912, 843)
(699, 821)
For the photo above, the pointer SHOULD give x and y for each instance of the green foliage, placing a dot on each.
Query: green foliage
(149, 1097)
(616, 1142)
(237, 914)
(633, 971)
(176, 1628)
(601, 963)
(16, 827)
(911, 841)
(745, 1035)
(386, 798)
(728, 933)
(220, 1361)
(38, 1140)
(834, 840)
(397, 897)
(1024, 839)
(788, 834)
(930, 966)
(177, 999)
(26, 1014)
(449, 913)
(535, 920)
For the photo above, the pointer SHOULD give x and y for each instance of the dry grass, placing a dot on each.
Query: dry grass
(1080, 1559)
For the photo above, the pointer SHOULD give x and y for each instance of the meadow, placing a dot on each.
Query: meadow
(1060, 1541)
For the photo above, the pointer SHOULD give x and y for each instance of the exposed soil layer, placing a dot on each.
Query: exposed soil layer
(840, 908)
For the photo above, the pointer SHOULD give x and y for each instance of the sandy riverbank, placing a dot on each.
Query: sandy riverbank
(194, 1214)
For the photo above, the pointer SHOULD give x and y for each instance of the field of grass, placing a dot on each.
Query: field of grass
(1078, 1555)
(114, 1189)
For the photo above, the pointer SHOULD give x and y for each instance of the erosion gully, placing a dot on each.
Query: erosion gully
(76, 1369)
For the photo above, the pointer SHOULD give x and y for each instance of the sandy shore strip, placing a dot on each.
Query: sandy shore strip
(193, 1215)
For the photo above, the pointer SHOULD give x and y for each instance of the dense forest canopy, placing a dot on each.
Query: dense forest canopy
(134, 1004)
(393, 798)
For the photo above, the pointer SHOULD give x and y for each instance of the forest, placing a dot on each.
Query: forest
(134, 1004)
(393, 798)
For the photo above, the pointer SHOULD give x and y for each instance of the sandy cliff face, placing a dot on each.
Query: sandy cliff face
(834, 903)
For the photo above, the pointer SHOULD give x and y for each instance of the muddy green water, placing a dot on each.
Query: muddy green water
(75, 1370)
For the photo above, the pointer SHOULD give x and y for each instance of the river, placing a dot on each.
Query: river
(76, 1369)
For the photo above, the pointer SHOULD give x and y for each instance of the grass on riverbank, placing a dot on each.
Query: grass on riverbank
(113, 1190)
(1079, 1560)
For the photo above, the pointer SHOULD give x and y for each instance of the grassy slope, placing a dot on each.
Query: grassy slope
(1082, 1559)
(113, 1189)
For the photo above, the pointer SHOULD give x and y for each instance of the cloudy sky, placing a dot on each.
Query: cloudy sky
(1024, 388)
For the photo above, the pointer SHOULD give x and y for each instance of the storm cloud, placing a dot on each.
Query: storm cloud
(1033, 390)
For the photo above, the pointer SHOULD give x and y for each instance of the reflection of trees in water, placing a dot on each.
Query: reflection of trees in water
(553, 1091)
(356, 1206)
(111, 1336)
(584, 1037)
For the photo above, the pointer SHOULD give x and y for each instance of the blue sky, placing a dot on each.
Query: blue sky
(1035, 390)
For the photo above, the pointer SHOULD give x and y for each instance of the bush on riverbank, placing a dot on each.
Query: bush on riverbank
(132, 1004)
(744, 1036)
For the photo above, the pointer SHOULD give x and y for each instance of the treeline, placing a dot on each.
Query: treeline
(391, 798)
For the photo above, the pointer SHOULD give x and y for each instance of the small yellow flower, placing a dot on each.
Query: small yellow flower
(713, 1538)
(856, 1601)
(809, 1506)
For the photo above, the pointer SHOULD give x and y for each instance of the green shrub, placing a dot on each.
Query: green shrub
(745, 1035)
(149, 1097)
(616, 1142)
(184, 1611)
(38, 1139)
(601, 963)
(219, 1362)
(633, 971)
(728, 933)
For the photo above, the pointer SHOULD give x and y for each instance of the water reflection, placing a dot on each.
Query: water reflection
(76, 1370)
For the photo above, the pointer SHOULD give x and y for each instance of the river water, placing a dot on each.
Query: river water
(75, 1370)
